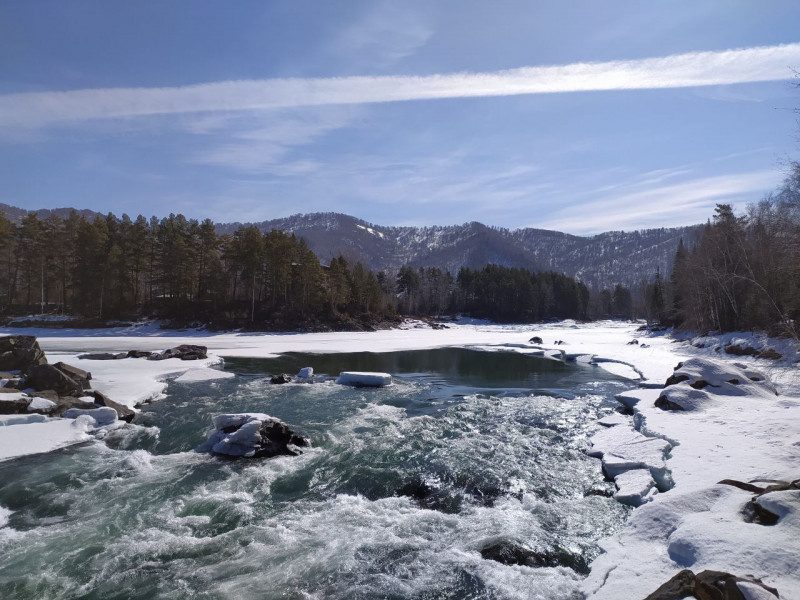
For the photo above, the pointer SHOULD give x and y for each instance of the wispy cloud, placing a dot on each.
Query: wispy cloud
(768, 63)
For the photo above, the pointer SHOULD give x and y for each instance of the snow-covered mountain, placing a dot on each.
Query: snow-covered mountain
(601, 260)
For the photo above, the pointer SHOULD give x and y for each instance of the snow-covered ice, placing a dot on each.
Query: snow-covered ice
(35, 437)
(363, 378)
(203, 374)
(102, 416)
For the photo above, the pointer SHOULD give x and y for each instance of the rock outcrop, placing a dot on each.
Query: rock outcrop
(20, 353)
(712, 585)
(252, 435)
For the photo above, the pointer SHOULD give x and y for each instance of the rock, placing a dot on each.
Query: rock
(676, 379)
(306, 373)
(535, 340)
(73, 372)
(710, 585)
(251, 435)
(633, 342)
(513, 553)
(139, 354)
(41, 405)
(48, 377)
(559, 342)
(104, 356)
(665, 403)
(13, 405)
(737, 350)
(281, 378)
(770, 354)
(102, 416)
(67, 403)
(20, 353)
(183, 352)
(123, 412)
(679, 587)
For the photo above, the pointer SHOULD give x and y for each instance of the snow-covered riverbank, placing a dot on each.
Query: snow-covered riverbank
(698, 524)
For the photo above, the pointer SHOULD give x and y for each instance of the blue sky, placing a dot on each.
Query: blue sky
(578, 116)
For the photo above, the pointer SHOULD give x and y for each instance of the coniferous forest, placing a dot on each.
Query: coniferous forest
(743, 272)
(184, 271)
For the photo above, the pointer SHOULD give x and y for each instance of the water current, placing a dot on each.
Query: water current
(404, 492)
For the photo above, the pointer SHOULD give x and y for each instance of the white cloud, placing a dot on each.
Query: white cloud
(768, 63)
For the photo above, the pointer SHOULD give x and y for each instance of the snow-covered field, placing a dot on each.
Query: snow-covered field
(697, 524)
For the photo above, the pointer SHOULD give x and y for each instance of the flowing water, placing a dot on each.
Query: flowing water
(399, 493)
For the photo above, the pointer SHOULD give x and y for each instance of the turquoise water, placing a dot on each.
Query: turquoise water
(401, 489)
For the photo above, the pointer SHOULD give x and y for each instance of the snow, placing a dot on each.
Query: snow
(363, 378)
(38, 437)
(41, 404)
(101, 416)
(203, 374)
(634, 487)
(306, 373)
(242, 442)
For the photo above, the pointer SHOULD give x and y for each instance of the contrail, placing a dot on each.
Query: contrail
(746, 65)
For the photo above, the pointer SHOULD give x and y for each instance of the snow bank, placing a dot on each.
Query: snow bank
(203, 374)
(35, 437)
(364, 379)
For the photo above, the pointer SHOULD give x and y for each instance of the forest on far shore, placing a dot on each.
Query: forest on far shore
(742, 273)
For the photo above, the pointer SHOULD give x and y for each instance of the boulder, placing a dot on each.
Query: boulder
(737, 350)
(139, 354)
(42, 406)
(123, 412)
(513, 553)
(102, 416)
(535, 340)
(104, 356)
(73, 372)
(183, 352)
(712, 585)
(251, 435)
(281, 378)
(20, 353)
(13, 405)
(633, 342)
(48, 377)
(66, 403)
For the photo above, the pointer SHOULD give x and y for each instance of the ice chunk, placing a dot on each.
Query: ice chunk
(306, 373)
(613, 419)
(364, 379)
(634, 487)
(623, 449)
(203, 374)
(102, 416)
(237, 419)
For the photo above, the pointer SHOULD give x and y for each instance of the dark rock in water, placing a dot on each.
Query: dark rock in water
(707, 585)
(183, 352)
(48, 377)
(123, 412)
(252, 435)
(20, 353)
(13, 407)
(536, 340)
(139, 354)
(282, 378)
(431, 498)
(664, 403)
(513, 553)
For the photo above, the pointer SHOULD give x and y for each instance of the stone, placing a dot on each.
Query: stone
(123, 412)
(633, 342)
(66, 403)
(20, 353)
(513, 553)
(183, 352)
(664, 403)
(73, 372)
(252, 435)
(679, 587)
(770, 354)
(103, 356)
(48, 377)
(536, 340)
(737, 350)
(281, 378)
(707, 585)
(13, 406)
(139, 354)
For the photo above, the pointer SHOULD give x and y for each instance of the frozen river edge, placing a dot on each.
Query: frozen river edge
(698, 524)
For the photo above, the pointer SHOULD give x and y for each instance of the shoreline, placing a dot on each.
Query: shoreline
(695, 524)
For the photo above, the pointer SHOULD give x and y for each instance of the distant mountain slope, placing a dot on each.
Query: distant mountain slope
(601, 260)
(15, 215)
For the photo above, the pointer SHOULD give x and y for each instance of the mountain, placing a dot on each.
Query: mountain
(601, 260)
(15, 215)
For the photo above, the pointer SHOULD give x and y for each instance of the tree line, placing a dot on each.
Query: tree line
(742, 273)
(183, 269)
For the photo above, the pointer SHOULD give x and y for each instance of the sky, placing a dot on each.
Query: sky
(577, 116)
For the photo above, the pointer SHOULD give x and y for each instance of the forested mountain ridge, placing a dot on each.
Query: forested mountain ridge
(599, 261)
